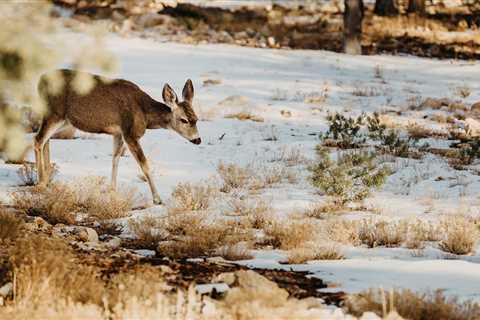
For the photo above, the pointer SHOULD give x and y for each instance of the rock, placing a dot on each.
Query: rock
(271, 42)
(226, 277)
(476, 107)
(150, 19)
(86, 234)
(6, 290)
(472, 127)
(114, 243)
(286, 113)
(434, 103)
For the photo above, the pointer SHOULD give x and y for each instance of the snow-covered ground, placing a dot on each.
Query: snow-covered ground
(268, 83)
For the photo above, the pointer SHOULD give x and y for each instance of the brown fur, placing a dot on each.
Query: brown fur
(116, 107)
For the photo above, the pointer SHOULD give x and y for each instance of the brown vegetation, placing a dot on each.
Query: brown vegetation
(411, 305)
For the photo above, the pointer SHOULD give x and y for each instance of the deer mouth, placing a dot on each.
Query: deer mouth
(196, 141)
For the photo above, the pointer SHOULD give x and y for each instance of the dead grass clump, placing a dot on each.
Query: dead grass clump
(342, 231)
(365, 91)
(323, 210)
(235, 252)
(59, 202)
(417, 131)
(234, 176)
(460, 235)
(411, 305)
(99, 201)
(201, 237)
(47, 267)
(56, 203)
(314, 252)
(291, 156)
(192, 197)
(462, 91)
(10, 225)
(382, 233)
(244, 115)
(288, 234)
(148, 231)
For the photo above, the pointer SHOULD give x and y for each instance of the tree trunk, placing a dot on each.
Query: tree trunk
(352, 26)
(386, 8)
(416, 6)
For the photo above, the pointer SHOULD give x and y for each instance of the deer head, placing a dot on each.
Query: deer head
(184, 119)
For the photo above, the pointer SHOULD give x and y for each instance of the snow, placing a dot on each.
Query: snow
(271, 81)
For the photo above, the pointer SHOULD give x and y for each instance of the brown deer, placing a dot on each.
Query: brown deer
(116, 107)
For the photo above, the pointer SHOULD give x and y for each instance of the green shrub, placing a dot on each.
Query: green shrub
(345, 131)
(349, 178)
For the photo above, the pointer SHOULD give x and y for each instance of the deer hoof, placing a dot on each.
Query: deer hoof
(157, 201)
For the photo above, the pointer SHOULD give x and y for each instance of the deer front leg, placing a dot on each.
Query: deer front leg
(47, 129)
(137, 152)
(118, 149)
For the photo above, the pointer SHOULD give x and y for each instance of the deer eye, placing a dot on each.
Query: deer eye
(184, 120)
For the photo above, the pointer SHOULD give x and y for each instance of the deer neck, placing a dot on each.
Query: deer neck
(158, 115)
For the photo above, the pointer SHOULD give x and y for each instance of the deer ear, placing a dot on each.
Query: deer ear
(169, 96)
(187, 91)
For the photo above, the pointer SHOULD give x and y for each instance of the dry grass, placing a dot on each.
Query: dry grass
(91, 196)
(187, 234)
(289, 234)
(382, 233)
(148, 231)
(235, 252)
(43, 202)
(460, 235)
(47, 267)
(234, 176)
(417, 131)
(365, 91)
(244, 116)
(411, 305)
(462, 91)
(196, 238)
(10, 225)
(342, 231)
(192, 197)
(314, 252)
(324, 210)
(290, 156)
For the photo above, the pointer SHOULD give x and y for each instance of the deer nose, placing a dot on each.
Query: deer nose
(196, 141)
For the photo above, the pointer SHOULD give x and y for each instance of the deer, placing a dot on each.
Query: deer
(116, 107)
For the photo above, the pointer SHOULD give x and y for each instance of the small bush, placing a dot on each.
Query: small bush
(10, 225)
(382, 233)
(233, 176)
(289, 234)
(344, 131)
(235, 252)
(314, 252)
(60, 202)
(460, 235)
(350, 178)
(44, 202)
(47, 267)
(192, 197)
(411, 305)
(243, 116)
(342, 231)
(148, 232)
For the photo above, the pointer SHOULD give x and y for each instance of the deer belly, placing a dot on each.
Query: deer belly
(95, 122)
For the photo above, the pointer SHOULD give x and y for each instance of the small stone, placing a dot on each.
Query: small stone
(114, 242)
(271, 42)
(88, 235)
(6, 290)
(476, 107)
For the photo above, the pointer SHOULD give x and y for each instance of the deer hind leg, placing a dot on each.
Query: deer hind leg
(137, 152)
(118, 150)
(47, 129)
